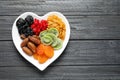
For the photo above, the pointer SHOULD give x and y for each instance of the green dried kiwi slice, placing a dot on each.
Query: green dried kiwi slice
(54, 31)
(42, 33)
(54, 42)
(47, 40)
(59, 44)
(51, 35)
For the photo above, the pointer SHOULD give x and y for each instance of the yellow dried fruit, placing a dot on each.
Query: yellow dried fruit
(55, 22)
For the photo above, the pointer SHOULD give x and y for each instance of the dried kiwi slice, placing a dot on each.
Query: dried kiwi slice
(47, 40)
(59, 44)
(54, 31)
(51, 35)
(43, 33)
(54, 42)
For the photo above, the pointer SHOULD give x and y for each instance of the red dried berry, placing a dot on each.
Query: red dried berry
(33, 26)
(38, 30)
(34, 29)
(39, 26)
(36, 22)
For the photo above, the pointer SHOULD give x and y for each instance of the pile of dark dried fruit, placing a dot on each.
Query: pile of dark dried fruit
(24, 25)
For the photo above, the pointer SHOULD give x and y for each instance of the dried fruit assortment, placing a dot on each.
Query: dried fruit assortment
(41, 37)
(55, 22)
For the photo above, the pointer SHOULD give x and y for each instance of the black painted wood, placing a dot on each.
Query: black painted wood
(67, 7)
(93, 51)
(61, 73)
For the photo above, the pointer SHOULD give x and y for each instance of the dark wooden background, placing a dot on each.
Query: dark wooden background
(93, 52)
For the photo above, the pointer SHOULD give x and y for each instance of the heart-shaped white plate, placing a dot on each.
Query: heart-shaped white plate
(17, 40)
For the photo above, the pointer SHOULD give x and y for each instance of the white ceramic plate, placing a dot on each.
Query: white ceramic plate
(17, 40)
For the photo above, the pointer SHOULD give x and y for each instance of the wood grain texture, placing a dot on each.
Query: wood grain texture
(67, 7)
(90, 27)
(93, 52)
(61, 73)
(77, 53)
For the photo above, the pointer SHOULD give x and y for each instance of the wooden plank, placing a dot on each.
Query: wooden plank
(77, 53)
(61, 73)
(67, 7)
(90, 27)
